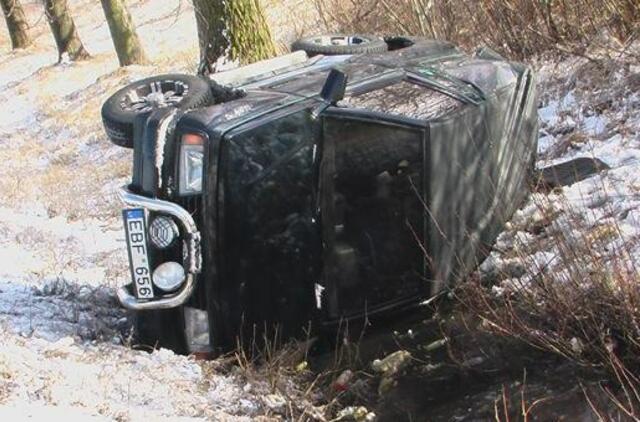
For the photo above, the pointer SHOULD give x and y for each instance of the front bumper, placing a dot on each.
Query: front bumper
(192, 260)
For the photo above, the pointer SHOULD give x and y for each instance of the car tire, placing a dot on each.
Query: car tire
(164, 328)
(329, 45)
(143, 96)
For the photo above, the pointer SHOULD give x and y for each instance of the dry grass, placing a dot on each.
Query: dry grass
(518, 28)
(5, 381)
(290, 20)
(584, 306)
(281, 371)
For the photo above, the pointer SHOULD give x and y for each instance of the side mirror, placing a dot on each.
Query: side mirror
(334, 87)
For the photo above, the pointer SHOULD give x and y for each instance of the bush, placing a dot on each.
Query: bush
(517, 28)
(583, 304)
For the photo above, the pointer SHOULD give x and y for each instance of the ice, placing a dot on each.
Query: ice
(594, 125)
(549, 114)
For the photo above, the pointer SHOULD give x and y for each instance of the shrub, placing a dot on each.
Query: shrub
(518, 28)
(583, 303)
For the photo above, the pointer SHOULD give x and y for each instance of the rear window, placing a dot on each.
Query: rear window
(489, 76)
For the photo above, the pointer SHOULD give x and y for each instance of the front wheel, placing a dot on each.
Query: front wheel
(163, 328)
(142, 97)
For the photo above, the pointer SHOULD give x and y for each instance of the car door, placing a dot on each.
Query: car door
(372, 190)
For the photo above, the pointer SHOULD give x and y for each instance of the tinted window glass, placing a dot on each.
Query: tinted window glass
(373, 255)
(405, 99)
(255, 151)
(487, 75)
(270, 237)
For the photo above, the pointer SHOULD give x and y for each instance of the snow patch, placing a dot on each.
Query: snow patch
(19, 115)
(598, 216)
(164, 128)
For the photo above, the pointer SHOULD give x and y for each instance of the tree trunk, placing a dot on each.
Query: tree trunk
(123, 33)
(250, 36)
(64, 30)
(16, 23)
(211, 21)
(231, 30)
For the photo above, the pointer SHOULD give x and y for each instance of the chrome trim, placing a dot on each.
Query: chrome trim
(194, 259)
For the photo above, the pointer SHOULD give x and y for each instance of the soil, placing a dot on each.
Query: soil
(475, 376)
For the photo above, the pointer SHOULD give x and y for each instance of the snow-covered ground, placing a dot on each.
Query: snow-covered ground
(77, 379)
(64, 349)
(588, 110)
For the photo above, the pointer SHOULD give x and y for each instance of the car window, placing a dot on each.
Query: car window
(489, 76)
(375, 208)
(404, 99)
(270, 243)
(255, 151)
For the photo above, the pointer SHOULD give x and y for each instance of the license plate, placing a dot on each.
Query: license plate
(135, 229)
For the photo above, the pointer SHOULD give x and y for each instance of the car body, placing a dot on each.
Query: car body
(313, 211)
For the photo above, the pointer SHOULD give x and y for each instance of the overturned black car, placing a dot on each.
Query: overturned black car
(315, 188)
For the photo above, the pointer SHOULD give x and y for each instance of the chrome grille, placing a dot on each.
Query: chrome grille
(193, 204)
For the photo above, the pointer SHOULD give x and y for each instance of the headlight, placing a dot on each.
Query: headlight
(191, 164)
(168, 276)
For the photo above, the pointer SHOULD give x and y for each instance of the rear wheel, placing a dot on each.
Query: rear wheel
(337, 44)
(162, 328)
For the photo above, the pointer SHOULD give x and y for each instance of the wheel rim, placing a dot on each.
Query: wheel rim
(154, 95)
(340, 40)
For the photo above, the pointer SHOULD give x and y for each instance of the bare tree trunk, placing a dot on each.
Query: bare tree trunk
(233, 30)
(250, 35)
(16, 23)
(64, 30)
(211, 20)
(123, 33)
